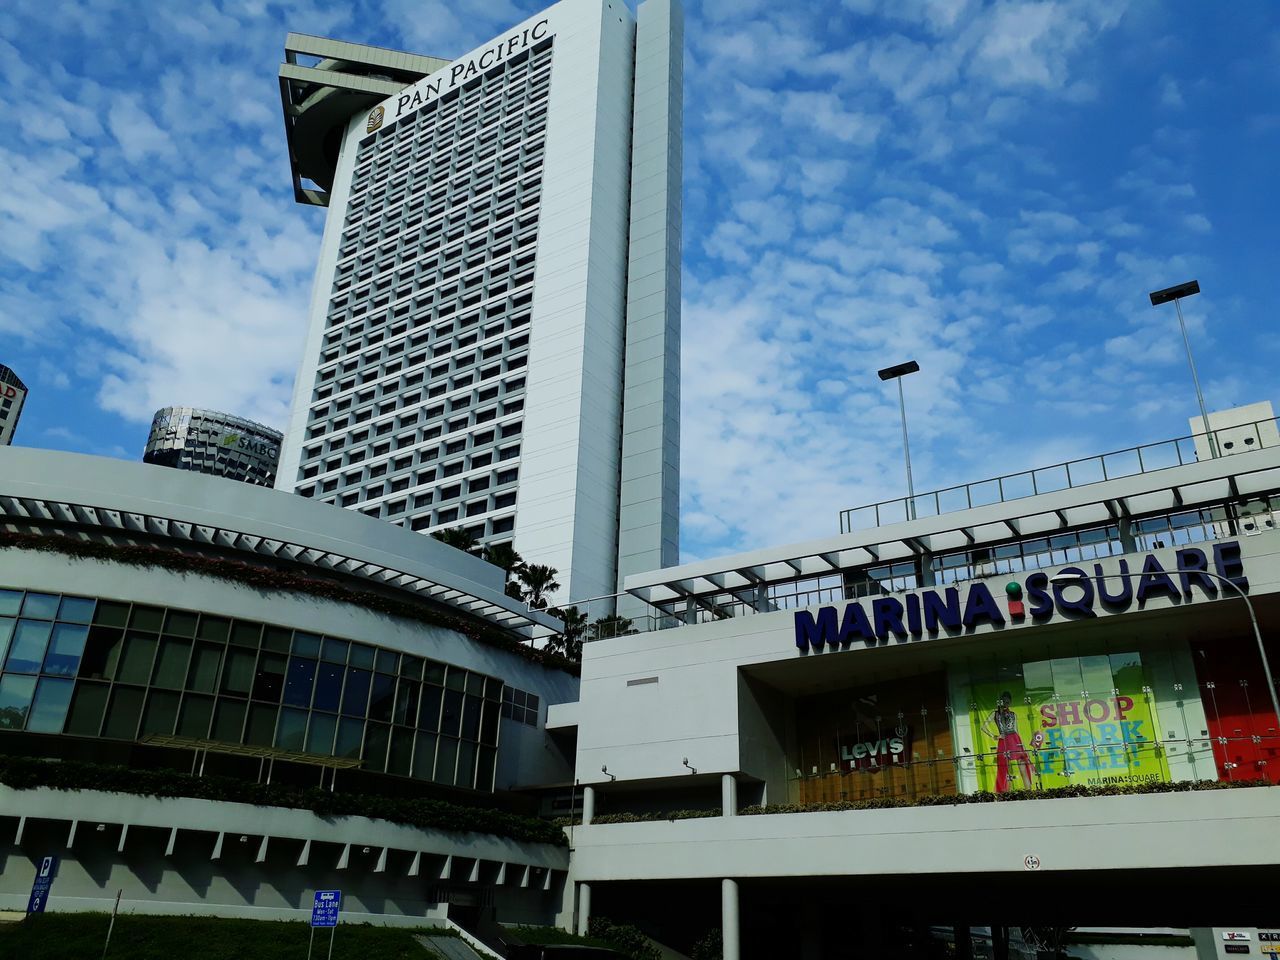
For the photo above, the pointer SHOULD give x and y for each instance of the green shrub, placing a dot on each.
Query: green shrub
(710, 947)
(26, 773)
(624, 938)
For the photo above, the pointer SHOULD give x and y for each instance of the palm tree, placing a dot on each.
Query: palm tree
(502, 555)
(568, 643)
(456, 537)
(538, 581)
(610, 626)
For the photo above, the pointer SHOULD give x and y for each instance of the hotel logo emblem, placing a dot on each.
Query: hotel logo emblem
(375, 120)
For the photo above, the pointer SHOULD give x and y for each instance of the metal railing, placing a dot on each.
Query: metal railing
(1128, 462)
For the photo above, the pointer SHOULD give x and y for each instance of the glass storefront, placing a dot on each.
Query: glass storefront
(1091, 711)
(99, 668)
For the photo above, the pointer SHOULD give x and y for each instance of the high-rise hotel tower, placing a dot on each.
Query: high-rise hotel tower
(495, 323)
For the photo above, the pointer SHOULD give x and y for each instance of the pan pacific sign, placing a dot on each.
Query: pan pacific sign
(949, 610)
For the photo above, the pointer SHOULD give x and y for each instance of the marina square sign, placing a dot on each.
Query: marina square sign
(925, 613)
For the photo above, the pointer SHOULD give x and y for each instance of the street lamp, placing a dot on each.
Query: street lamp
(897, 373)
(1176, 293)
(1253, 619)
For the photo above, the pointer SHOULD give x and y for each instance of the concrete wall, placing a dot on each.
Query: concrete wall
(182, 855)
(1182, 830)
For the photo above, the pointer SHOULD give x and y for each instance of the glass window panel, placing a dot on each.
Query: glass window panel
(411, 667)
(87, 704)
(161, 714)
(400, 757)
(471, 718)
(475, 684)
(355, 698)
(171, 664)
(139, 654)
(6, 634)
(456, 679)
(49, 710)
(350, 733)
(485, 763)
(244, 634)
(320, 733)
(433, 672)
(237, 674)
(10, 602)
(111, 614)
(429, 714)
(197, 714)
(424, 757)
(101, 651)
(150, 619)
(328, 687)
(406, 702)
(228, 719)
(262, 724)
(277, 639)
(489, 723)
(382, 698)
(466, 774)
(40, 606)
(214, 628)
(123, 713)
(361, 656)
(268, 683)
(26, 651)
(375, 747)
(180, 623)
(206, 659)
(334, 650)
(306, 644)
(76, 610)
(446, 760)
(451, 718)
(65, 649)
(299, 681)
(492, 689)
(15, 700)
(387, 661)
(291, 730)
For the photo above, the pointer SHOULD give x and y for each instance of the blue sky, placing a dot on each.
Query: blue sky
(989, 188)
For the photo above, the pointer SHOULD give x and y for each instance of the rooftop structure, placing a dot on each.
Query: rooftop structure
(219, 444)
(13, 394)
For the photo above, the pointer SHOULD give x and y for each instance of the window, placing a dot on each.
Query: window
(520, 706)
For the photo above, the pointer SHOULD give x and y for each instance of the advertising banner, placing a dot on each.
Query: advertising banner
(1070, 720)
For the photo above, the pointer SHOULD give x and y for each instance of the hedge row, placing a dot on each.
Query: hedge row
(26, 773)
(265, 577)
(933, 800)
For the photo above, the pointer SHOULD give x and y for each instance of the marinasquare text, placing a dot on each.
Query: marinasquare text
(926, 613)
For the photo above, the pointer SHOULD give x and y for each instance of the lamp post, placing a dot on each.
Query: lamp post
(897, 373)
(1176, 293)
(1253, 619)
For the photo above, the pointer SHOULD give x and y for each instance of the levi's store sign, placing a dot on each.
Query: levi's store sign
(926, 613)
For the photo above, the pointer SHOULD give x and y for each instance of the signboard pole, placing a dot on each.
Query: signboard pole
(311, 943)
(332, 931)
(111, 926)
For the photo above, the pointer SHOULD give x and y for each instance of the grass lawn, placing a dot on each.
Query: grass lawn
(79, 936)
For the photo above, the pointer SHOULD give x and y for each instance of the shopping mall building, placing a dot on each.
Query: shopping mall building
(1074, 628)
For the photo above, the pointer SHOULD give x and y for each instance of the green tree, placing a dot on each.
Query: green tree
(569, 643)
(502, 555)
(610, 626)
(538, 581)
(457, 538)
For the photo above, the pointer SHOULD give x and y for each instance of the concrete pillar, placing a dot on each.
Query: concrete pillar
(1128, 542)
(584, 908)
(729, 932)
(925, 562)
(588, 804)
(728, 795)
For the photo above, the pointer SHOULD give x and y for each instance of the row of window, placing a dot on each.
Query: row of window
(101, 668)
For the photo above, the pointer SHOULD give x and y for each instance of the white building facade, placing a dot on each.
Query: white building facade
(494, 330)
